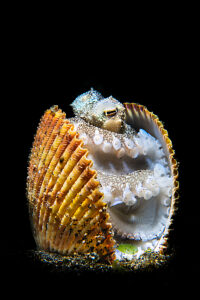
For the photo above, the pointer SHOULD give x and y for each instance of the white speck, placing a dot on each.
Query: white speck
(133, 199)
(167, 212)
(148, 246)
(107, 194)
(144, 152)
(166, 201)
(159, 170)
(168, 191)
(143, 236)
(160, 153)
(128, 256)
(119, 254)
(106, 147)
(121, 153)
(139, 189)
(75, 126)
(155, 191)
(162, 228)
(116, 201)
(152, 185)
(134, 153)
(84, 137)
(143, 133)
(165, 182)
(128, 196)
(137, 235)
(147, 194)
(154, 242)
(127, 193)
(129, 143)
(98, 138)
(139, 252)
(116, 143)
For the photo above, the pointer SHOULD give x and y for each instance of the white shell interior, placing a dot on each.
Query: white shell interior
(136, 180)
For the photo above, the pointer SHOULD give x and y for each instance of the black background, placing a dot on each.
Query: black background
(40, 72)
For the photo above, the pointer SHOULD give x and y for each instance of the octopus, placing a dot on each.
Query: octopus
(133, 166)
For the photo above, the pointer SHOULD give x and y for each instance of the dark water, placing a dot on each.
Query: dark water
(32, 85)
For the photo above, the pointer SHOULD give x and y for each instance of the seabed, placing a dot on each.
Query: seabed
(149, 261)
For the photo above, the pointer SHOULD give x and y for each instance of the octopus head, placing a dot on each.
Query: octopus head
(105, 113)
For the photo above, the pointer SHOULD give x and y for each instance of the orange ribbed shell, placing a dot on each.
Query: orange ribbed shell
(66, 207)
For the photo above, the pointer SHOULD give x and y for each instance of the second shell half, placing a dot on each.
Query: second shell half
(102, 179)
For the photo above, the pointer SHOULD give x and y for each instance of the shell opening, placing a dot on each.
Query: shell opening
(136, 180)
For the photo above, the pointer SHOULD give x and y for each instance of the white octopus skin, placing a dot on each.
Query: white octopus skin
(132, 168)
(135, 179)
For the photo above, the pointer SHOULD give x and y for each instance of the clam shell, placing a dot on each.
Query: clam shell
(67, 210)
(139, 117)
(66, 207)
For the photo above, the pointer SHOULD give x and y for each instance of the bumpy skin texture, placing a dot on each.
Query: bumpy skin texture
(105, 113)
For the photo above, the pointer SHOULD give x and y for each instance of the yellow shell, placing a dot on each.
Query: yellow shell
(66, 207)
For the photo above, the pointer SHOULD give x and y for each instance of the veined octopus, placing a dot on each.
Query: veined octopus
(132, 158)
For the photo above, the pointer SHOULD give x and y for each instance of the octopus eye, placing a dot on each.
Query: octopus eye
(110, 112)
